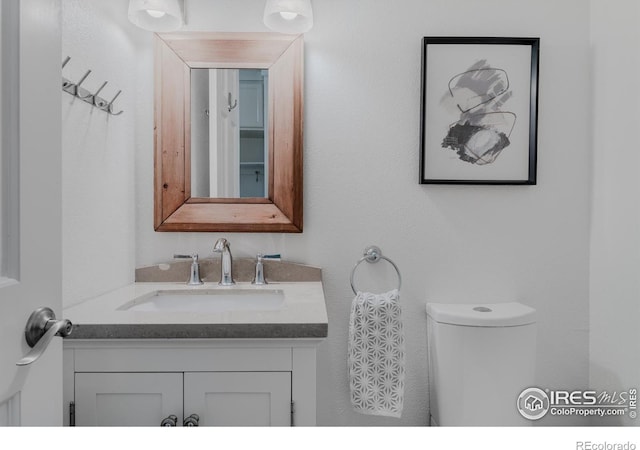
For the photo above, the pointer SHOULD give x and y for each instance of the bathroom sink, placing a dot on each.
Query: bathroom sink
(207, 301)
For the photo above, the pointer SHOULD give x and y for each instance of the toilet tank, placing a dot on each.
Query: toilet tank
(481, 357)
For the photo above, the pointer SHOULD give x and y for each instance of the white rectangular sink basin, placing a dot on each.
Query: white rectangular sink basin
(207, 301)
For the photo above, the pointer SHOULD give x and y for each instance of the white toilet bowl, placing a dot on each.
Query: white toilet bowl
(481, 357)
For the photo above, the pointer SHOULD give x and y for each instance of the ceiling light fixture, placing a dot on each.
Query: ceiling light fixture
(288, 16)
(156, 15)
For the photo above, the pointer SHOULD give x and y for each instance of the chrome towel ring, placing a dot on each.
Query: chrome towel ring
(373, 254)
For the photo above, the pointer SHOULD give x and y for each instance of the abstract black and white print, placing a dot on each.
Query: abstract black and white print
(482, 132)
(479, 110)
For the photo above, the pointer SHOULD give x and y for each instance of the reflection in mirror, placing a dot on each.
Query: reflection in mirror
(229, 149)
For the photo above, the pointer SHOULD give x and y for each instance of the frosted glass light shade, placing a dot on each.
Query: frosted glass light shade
(156, 15)
(288, 16)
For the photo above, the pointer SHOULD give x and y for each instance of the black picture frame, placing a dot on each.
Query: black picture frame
(479, 110)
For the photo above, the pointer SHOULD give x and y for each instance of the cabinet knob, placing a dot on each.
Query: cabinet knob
(192, 421)
(170, 421)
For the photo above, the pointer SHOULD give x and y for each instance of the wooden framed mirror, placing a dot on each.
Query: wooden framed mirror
(281, 56)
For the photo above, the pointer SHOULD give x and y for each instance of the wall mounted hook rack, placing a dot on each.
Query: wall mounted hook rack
(83, 94)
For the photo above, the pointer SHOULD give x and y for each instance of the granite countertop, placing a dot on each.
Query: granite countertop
(303, 315)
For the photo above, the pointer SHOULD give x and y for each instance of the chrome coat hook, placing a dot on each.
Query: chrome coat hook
(235, 104)
(109, 107)
(67, 85)
(83, 95)
(73, 88)
(84, 77)
(76, 90)
(97, 101)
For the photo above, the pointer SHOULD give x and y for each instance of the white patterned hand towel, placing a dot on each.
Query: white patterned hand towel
(376, 354)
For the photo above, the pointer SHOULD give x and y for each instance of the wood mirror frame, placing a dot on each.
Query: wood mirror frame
(175, 55)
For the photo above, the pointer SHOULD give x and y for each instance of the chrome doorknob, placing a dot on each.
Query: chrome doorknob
(170, 421)
(192, 421)
(41, 327)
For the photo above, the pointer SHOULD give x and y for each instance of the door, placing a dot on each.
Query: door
(30, 206)
(127, 399)
(224, 132)
(238, 398)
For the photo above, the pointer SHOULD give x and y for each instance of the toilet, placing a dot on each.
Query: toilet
(481, 357)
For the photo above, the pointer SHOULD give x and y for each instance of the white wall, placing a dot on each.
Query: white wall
(98, 150)
(615, 236)
(362, 108)
(453, 244)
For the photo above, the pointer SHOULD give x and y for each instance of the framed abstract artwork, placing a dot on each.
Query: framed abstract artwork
(479, 110)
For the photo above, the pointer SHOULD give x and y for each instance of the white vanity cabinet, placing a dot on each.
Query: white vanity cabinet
(224, 382)
(239, 398)
(126, 399)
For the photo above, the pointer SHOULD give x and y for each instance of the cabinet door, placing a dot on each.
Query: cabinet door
(127, 399)
(251, 104)
(239, 398)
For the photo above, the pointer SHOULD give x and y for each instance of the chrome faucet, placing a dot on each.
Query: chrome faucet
(194, 273)
(222, 246)
(259, 277)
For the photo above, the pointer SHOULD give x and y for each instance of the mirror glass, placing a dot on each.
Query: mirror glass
(229, 145)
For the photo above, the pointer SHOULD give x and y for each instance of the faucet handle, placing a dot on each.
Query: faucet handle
(194, 257)
(259, 276)
(194, 275)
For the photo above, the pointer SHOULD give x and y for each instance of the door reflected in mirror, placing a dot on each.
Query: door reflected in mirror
(229, 145)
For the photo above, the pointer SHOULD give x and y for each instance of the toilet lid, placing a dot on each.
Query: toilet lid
(482, 315)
